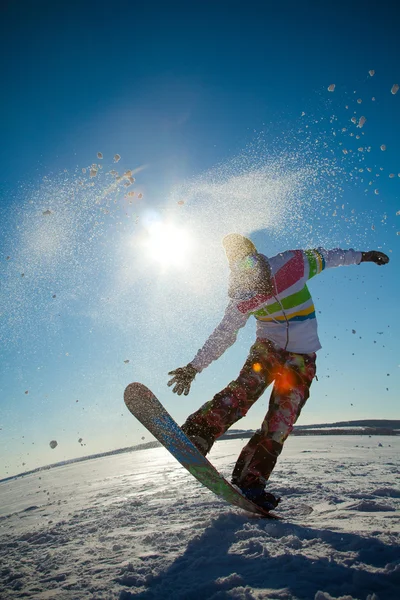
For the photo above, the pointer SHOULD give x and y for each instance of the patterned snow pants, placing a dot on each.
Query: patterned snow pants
(292, 374)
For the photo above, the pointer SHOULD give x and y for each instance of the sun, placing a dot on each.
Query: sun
(168, 244)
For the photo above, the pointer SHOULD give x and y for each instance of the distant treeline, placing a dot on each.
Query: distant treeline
(392, 424)
(304, 431)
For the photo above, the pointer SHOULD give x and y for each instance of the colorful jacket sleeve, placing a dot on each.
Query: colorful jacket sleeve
(318, 259)
(223, 336)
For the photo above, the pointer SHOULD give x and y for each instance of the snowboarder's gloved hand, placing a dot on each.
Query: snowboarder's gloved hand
(182, 379)
(374, 256)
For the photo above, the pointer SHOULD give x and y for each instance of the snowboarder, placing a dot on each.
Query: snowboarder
(275, 291)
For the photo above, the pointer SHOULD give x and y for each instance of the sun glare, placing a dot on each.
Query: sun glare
(169, 245)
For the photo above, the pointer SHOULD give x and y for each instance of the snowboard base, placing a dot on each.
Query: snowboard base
(144, 405)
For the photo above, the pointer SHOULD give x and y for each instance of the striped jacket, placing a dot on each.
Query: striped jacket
(286, 317)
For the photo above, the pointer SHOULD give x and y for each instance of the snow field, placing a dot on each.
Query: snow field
(137, 525)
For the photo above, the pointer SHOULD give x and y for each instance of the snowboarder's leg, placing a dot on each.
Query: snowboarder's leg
(290, 393)
(228, 406)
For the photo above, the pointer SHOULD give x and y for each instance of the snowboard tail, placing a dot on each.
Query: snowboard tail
(144, 405)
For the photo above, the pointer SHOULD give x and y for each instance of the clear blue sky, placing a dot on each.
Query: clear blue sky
(222, 109)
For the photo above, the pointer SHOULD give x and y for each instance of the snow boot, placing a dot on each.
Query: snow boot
(259, 496)
(199, 436)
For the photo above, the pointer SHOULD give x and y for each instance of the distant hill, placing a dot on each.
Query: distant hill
(359, 427)
(387, 423)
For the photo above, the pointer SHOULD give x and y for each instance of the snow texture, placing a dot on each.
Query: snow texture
(137, 525)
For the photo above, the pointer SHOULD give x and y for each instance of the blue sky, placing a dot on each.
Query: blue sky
(221, 108)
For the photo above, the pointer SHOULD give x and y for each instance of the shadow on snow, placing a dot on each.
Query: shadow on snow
(234, 553)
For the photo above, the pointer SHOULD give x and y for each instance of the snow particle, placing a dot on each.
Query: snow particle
(371, 72)
(377, 192)
(126, 361)
(395, 88)
(331, 88)
(391, 175)
(99, 155)
(140, 196)
(361, 122)
(359, 101)
(46, 212)
(93, 172)
(383, 147)
(53, 444)
(117, 158)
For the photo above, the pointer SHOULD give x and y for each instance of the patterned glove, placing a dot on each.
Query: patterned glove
(182, 379)
(374, 256)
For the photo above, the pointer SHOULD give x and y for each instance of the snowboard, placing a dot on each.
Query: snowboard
(147, 409)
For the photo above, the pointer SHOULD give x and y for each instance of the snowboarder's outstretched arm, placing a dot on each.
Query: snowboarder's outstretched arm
(223, 336)
(319, 259)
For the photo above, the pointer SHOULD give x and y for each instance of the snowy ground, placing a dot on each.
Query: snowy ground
(139, 526)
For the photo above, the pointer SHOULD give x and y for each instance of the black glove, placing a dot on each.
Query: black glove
(374, 256)
(182, 379)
